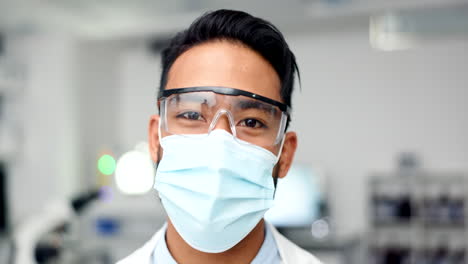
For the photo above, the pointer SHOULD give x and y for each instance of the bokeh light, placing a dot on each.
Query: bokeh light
(134, 173)
(106, 164)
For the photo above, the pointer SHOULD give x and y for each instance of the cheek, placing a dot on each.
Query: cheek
(273, 149)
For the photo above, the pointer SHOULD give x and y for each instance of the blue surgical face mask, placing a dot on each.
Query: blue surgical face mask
(214, 188)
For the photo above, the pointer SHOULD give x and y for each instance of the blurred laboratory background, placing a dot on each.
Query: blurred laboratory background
(381, 171)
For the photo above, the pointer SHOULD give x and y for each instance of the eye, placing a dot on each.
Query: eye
(251, 123)
(191, 115)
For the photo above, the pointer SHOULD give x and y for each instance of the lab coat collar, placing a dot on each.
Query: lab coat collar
(289, 252)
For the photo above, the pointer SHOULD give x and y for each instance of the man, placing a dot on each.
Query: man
(220, 142)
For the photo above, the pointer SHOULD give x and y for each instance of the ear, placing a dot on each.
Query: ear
(153, 137)
(287, 155)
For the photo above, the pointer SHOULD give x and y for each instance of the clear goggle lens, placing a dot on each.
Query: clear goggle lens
(250, 120)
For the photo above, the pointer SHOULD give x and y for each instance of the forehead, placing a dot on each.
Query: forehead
(227, 64)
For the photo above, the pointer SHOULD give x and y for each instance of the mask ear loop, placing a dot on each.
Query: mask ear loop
(282, 128)
(275, 179)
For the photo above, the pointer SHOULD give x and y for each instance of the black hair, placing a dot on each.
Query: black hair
(256, 33)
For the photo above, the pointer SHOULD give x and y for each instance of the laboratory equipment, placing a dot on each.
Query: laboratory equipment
(28, 237)
(419, 219)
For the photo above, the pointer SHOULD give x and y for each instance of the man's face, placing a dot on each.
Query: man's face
(226, 64)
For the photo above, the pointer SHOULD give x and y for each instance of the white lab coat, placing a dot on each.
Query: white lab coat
(289, 252)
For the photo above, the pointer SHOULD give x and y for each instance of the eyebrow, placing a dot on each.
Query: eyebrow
(250, 104)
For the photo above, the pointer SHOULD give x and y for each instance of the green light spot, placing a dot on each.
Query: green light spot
(106, 164)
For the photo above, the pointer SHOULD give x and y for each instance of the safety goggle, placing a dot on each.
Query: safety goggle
(196, 111)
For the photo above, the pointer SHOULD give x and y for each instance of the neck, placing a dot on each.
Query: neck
(244, 252)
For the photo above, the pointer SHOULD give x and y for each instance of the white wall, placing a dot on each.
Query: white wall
(70, 117)
(47, 165)
(98, 90)
(357, 109)
(139, 83)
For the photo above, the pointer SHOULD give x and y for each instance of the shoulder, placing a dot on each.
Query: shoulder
(290, 252)
(143, 254)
